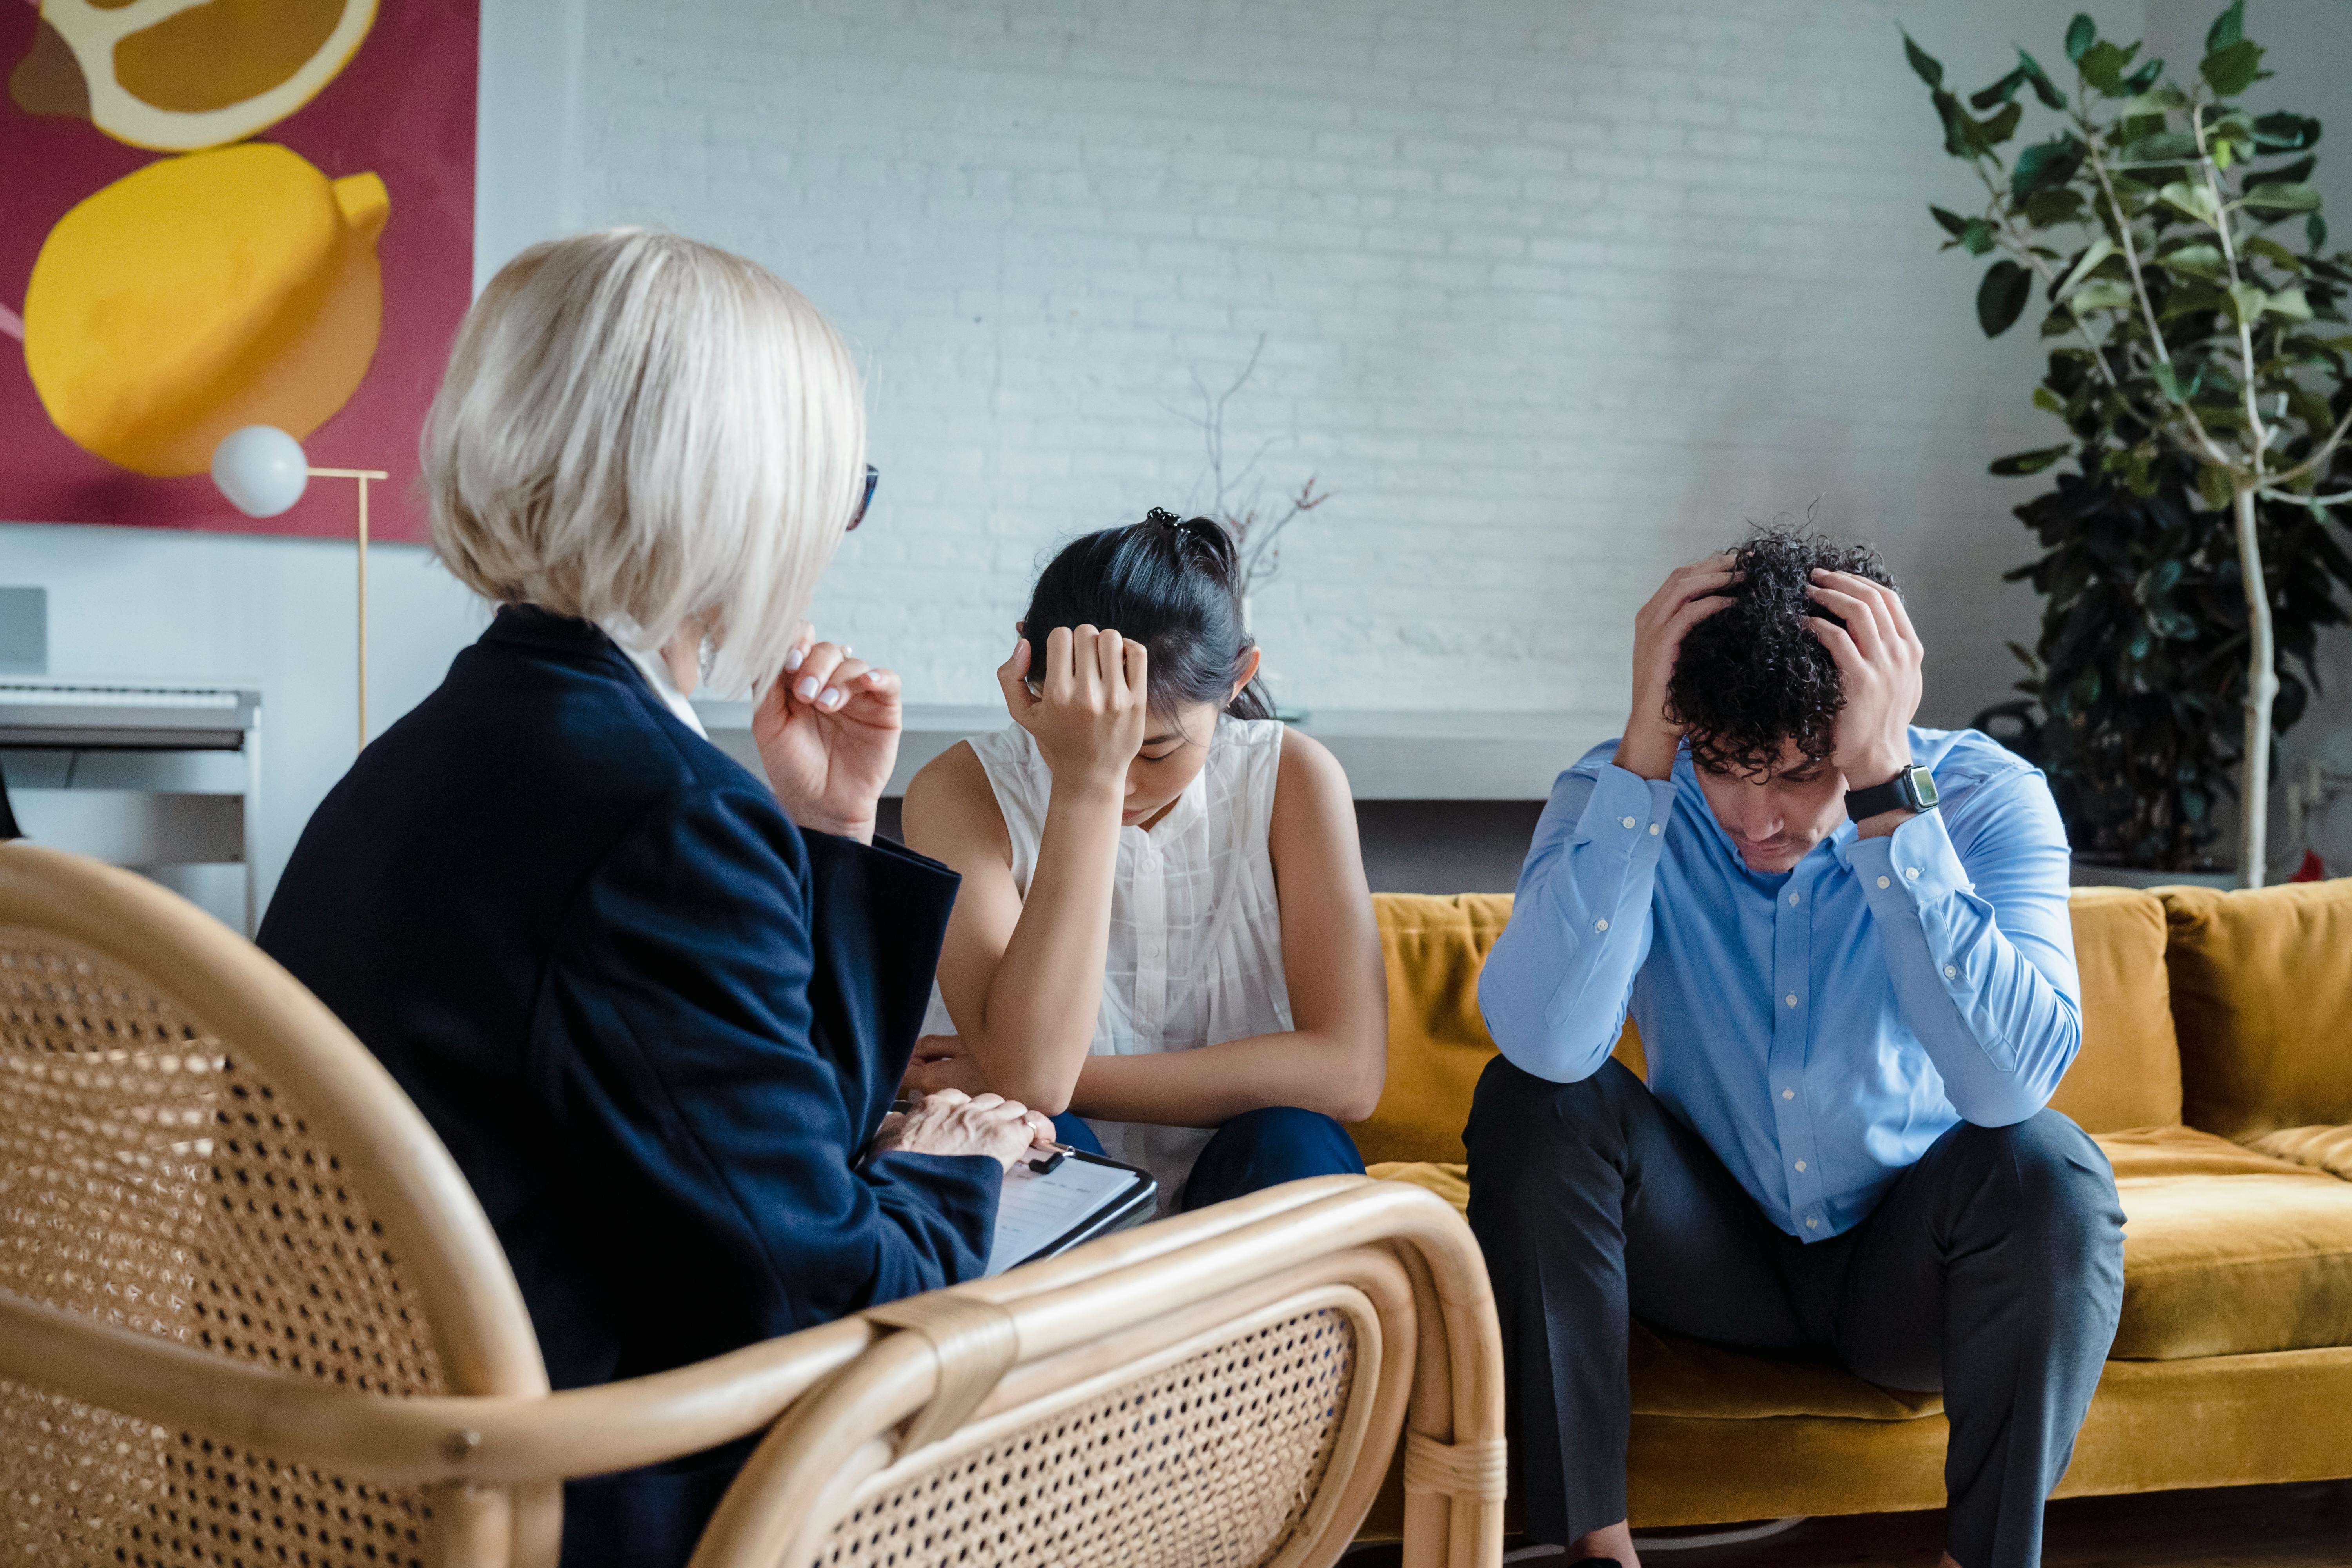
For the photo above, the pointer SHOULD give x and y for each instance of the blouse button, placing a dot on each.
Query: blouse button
(1883, 883)
(1788, 1094)
(1911, 872)
(1599, 925)
(1791, 998)
(1654, 830)
(1949, 971)
(1625, 821)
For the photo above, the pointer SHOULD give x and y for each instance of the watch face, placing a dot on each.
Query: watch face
(1923, 788)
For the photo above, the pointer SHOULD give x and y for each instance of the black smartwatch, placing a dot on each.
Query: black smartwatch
(1913, 789)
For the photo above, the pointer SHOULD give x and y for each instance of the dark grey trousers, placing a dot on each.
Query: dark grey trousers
(1993, 1270)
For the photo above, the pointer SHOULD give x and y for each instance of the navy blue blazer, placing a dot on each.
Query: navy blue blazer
(653, 1022)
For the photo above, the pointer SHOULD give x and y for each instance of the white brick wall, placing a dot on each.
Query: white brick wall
(1554, 296)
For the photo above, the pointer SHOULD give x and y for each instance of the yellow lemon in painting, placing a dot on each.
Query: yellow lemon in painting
(177, 75)
(203, 294)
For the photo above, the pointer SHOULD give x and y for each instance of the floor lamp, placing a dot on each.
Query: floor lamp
(262, 472)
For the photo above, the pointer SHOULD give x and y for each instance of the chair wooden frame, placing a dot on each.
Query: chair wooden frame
(903, 1381)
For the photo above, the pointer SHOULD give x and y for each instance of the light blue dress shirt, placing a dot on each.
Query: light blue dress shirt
(1821, 1026)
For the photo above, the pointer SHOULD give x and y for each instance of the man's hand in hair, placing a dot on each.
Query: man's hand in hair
(1689, 597)
(1879, 656)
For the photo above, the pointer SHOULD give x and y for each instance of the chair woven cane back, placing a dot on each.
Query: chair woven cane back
(192, 1147)
(1226, 1410)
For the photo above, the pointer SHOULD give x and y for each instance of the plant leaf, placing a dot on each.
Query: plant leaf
(2248, 300)
(1980, 237)
(2282, 131)
(2195, 200)
(2283, 197)
(2101, 294)
(2164, 147)
(2167, 381)
(2140, 81)
(2228, 28)
(2102, 64)
(2053, 204)
(2290, 303)
(2044, 88)
(2098, 251)
(2233, 67)
(2001, 91)
(2043, 398)
(2044, 165)
(1954, 224)
(2215, 486)
(2000, 127)
(2155, 100)
(2293, 173)
(2000, 298)
(2196, 261)
(2080, 34)
(2033, 462)
(2315, 232)
(1930, 68)
(2272, 250)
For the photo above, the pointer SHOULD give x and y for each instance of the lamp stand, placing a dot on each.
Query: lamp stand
(362, 476)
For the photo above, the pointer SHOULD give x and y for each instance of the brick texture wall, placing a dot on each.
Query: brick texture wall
(1552, 296)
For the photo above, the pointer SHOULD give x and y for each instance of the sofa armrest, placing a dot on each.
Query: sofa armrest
(2323, 1148)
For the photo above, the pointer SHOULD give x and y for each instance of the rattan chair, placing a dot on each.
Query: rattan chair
(250, 1314)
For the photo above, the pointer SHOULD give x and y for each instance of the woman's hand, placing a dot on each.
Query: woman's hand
(828, 732)
(942, 1062)
(950, 1121)
(1087, 716)
(1689, 594)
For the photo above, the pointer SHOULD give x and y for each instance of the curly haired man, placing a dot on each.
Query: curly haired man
(1844, 939)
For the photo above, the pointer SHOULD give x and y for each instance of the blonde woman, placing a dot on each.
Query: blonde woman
(656, 1007)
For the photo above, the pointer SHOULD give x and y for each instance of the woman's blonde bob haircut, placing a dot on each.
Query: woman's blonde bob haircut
(650, 434)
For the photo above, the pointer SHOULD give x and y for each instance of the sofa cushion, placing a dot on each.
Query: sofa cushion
(2262, 987)
(1438, 1044)
(2226, 1252)
(2327, 1149)
(2128, 1072)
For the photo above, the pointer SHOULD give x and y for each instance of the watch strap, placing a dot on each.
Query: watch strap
(1902, 793)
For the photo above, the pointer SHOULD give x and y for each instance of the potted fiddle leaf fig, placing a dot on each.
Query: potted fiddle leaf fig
(2178, 251)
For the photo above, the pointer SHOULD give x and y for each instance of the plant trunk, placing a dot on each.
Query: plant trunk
(2261, 686)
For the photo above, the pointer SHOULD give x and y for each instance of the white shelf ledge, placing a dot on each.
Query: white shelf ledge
(1390, 753)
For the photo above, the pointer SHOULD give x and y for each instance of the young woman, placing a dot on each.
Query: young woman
(1164, 927)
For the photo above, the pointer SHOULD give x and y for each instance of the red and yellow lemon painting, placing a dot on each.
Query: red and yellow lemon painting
(223, 212)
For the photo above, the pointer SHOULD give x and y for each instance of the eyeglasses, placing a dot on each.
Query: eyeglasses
(873, 477)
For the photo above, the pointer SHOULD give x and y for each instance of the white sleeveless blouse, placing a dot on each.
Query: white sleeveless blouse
(1195, 955)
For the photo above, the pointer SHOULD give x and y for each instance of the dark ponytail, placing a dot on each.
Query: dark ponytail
(1172, 584)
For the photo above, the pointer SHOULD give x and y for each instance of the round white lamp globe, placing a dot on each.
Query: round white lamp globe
(261, 469)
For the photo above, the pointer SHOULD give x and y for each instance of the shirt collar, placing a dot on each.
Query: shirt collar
(655, 669)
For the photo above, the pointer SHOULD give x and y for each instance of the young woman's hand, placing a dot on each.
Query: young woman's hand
(1689, 594)
(827, 733)
(1087, 715)
(952, 1123)
(940, 1061)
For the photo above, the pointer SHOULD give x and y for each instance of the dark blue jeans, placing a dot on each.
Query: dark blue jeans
(1992, 1270)
(1257, 1150)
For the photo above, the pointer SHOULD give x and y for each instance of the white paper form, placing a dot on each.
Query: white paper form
(1036, 1210)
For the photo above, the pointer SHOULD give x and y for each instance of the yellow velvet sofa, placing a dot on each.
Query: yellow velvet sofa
(2216, 1073)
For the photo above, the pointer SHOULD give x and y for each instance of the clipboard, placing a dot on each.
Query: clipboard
(1045, 1209)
